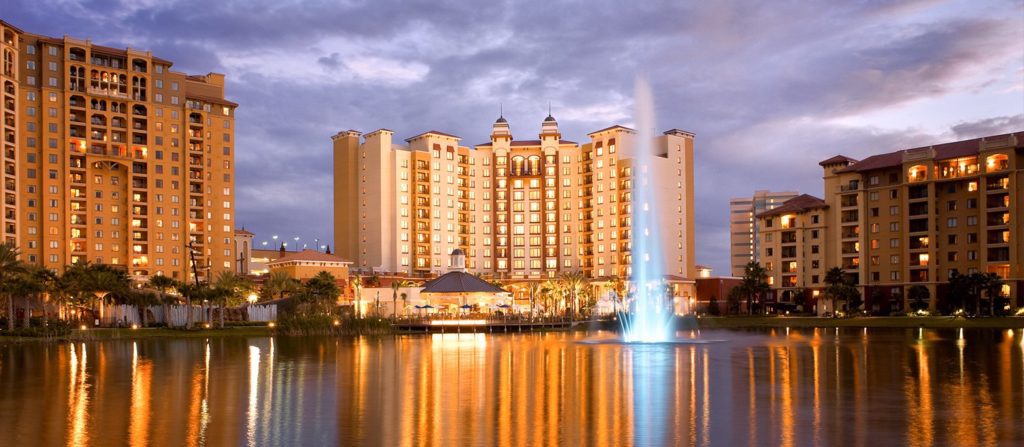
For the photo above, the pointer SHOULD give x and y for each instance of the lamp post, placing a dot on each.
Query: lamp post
(296, 239)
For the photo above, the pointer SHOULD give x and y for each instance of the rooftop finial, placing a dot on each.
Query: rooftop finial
(501, 110)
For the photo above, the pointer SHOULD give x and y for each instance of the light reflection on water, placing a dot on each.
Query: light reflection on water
(789, 387)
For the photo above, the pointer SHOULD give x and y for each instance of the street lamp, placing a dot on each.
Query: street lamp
(296, 238)
(252, 298)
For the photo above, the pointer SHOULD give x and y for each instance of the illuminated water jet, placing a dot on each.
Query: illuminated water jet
(649, 316)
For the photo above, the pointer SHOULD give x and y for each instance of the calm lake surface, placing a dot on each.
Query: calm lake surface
(774, 387)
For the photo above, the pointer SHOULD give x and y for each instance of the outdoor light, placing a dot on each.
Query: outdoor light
(336, 322)
(271, 324)
(206, 325)
(82, 327)
(135, 326)
(252, 298)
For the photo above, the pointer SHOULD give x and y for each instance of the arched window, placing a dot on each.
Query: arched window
(917, 173)
(535, 165)
(517, 165)
(997, 162)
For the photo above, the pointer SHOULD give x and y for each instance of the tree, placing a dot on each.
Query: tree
(357, 287)
(278, 284)
(572, 282)
(732, 303)
(192, 291)
(918, 296)
(164, 285)
(839, 288)
(142, 299)
(994, 287)
(395, 285)
(713, 306)
(10, 269)
(94, 282)
(228, 291)
(321, 291)
(754, 284)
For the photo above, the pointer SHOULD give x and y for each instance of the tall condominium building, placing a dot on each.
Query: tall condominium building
(111, 157)
(743, 225)
(520, 209)
(916, 216)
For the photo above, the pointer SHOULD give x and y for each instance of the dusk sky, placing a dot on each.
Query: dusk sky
(769, 88)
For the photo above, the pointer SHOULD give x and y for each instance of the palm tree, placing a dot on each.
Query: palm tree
(918, 296)
(278, 283)
(755, 283)
(321, 292)
(534, 289)
(164, 285)
(97, 281)
(229, 285)
(549, 290)
(357, 286)
(190, 292)
(572, 283)
(395, 285)
(45, 282)
(10, 269)
(838, 287)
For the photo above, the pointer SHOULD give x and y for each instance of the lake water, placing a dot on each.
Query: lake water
(797, 387)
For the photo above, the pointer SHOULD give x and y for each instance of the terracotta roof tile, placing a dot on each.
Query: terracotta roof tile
(308, 255)
(798, 204)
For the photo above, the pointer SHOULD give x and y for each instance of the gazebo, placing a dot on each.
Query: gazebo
(458, 288)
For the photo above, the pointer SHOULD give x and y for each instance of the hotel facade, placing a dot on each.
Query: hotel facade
(111, 157)
(900, 219)
(520, 209)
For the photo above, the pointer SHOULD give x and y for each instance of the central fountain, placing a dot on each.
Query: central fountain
(649, 316)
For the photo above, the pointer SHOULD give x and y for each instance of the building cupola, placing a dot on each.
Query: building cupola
(549, 128)
(501, 130)
(457, 262)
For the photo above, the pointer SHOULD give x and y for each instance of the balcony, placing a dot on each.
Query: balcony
(998, 184)
(998, 219)
(962, 167)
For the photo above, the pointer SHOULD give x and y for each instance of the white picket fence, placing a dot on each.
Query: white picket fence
(262, 312)
(177, 315)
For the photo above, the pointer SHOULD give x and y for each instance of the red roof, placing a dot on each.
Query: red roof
(837, 160)
(434, 132)
(244, 231)
(617, 126)
(799, 204)
(529, 143)
(943, 151)
(308, 255)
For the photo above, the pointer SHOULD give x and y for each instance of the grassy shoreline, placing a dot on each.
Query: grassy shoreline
(731, 322)
(742, 322)
(98, 334)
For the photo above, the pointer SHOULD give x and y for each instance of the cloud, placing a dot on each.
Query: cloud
(770, 88)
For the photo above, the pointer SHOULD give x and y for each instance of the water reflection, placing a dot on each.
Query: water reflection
(788, 387)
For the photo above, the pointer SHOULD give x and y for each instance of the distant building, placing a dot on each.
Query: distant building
(243, 250)
(743, 230)
(308, 263)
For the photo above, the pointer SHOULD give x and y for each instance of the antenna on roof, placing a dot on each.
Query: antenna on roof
(549, 108)
(501, 109)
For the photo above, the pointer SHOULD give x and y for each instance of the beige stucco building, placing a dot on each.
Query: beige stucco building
(521, 209)
(794, 249)
(110, 156)
(915, 216)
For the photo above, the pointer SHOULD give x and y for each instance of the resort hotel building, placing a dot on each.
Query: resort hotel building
(520, 209)
(111, 157)
(901, 219)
